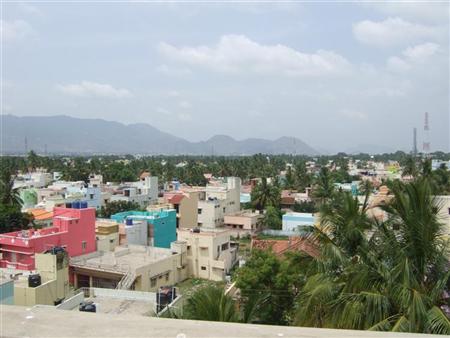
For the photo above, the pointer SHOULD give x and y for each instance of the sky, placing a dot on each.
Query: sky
(339, 76)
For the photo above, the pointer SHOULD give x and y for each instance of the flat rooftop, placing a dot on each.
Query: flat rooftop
(42, 321)
(122, 258)
(116, 306)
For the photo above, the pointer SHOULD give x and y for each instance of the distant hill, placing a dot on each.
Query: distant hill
(69, 135)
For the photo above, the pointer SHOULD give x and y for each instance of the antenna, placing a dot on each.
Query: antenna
(414, 151)
(426, 135)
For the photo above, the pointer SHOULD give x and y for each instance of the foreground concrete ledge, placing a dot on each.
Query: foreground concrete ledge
(42, 321)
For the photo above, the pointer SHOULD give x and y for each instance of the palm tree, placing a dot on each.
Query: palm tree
(265, 194)
(323, 189)
(211, 303)
(8, 194)
(410, 167)
(391, 279)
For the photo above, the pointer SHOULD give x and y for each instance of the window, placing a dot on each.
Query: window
(224, 246)
(111, 241)
(91, 196)
(449, 211)
(83, 246)
(203, 268)
(152, 282)
(224, 210)
(199, 211)
(167, 277)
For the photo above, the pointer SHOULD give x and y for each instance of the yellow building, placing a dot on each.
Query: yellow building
(210, 254)
(54, 287)
(107, 234)
(131, 267)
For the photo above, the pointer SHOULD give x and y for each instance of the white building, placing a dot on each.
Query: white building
(210, 254)
(220, 199)
(143, 192)
(294, 221)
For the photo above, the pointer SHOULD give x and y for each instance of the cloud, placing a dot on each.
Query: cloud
(184, 116)
(412, 56)
(15, 30)
(93, 89)
(431, 12)
(353, 114)
(391, 32)
(30, 9)
(164, 111)
(173, 71)
(185, 104)
(237, 53)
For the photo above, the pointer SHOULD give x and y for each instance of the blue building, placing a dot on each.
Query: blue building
(162, 225)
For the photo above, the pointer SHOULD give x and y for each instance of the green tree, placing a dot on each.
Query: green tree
(210, 303)
(114, 207)
(11, 216)
(323, 188)
(272, 217)
(388, 276)
(265, 194)
(272, 282)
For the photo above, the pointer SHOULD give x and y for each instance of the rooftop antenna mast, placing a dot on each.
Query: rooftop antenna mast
(415, 142)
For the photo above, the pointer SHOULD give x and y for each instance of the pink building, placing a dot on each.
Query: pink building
(73, 229)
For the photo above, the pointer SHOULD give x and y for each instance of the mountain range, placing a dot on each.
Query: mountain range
(68, 135)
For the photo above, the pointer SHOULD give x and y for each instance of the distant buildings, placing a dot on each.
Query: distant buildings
(142, 192)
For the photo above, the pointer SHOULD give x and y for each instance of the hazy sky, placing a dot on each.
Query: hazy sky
(334, 75)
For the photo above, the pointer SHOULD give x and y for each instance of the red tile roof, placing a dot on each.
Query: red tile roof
(175, 199)
(279, 247)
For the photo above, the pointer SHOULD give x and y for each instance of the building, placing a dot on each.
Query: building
(50, 322)
(6, 290)
(37, 179)
(41, 217)
(243, 223)
(161, 229)
(143, 192)
(220, 198)
(52, 286)
(294, 221)
(73, 229)
(210, 254)
(133, 267)
(186, 207)
(107, 234)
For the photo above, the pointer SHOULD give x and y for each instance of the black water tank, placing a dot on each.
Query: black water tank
(196, 230)
(34, 280)
(87, 307)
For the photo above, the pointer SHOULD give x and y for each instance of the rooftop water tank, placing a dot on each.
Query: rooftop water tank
(76, 205)
(34, 280)
(83, 204)
(68, 205)
(129, 221)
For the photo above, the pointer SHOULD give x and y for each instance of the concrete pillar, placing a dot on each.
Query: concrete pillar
(90, 282)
